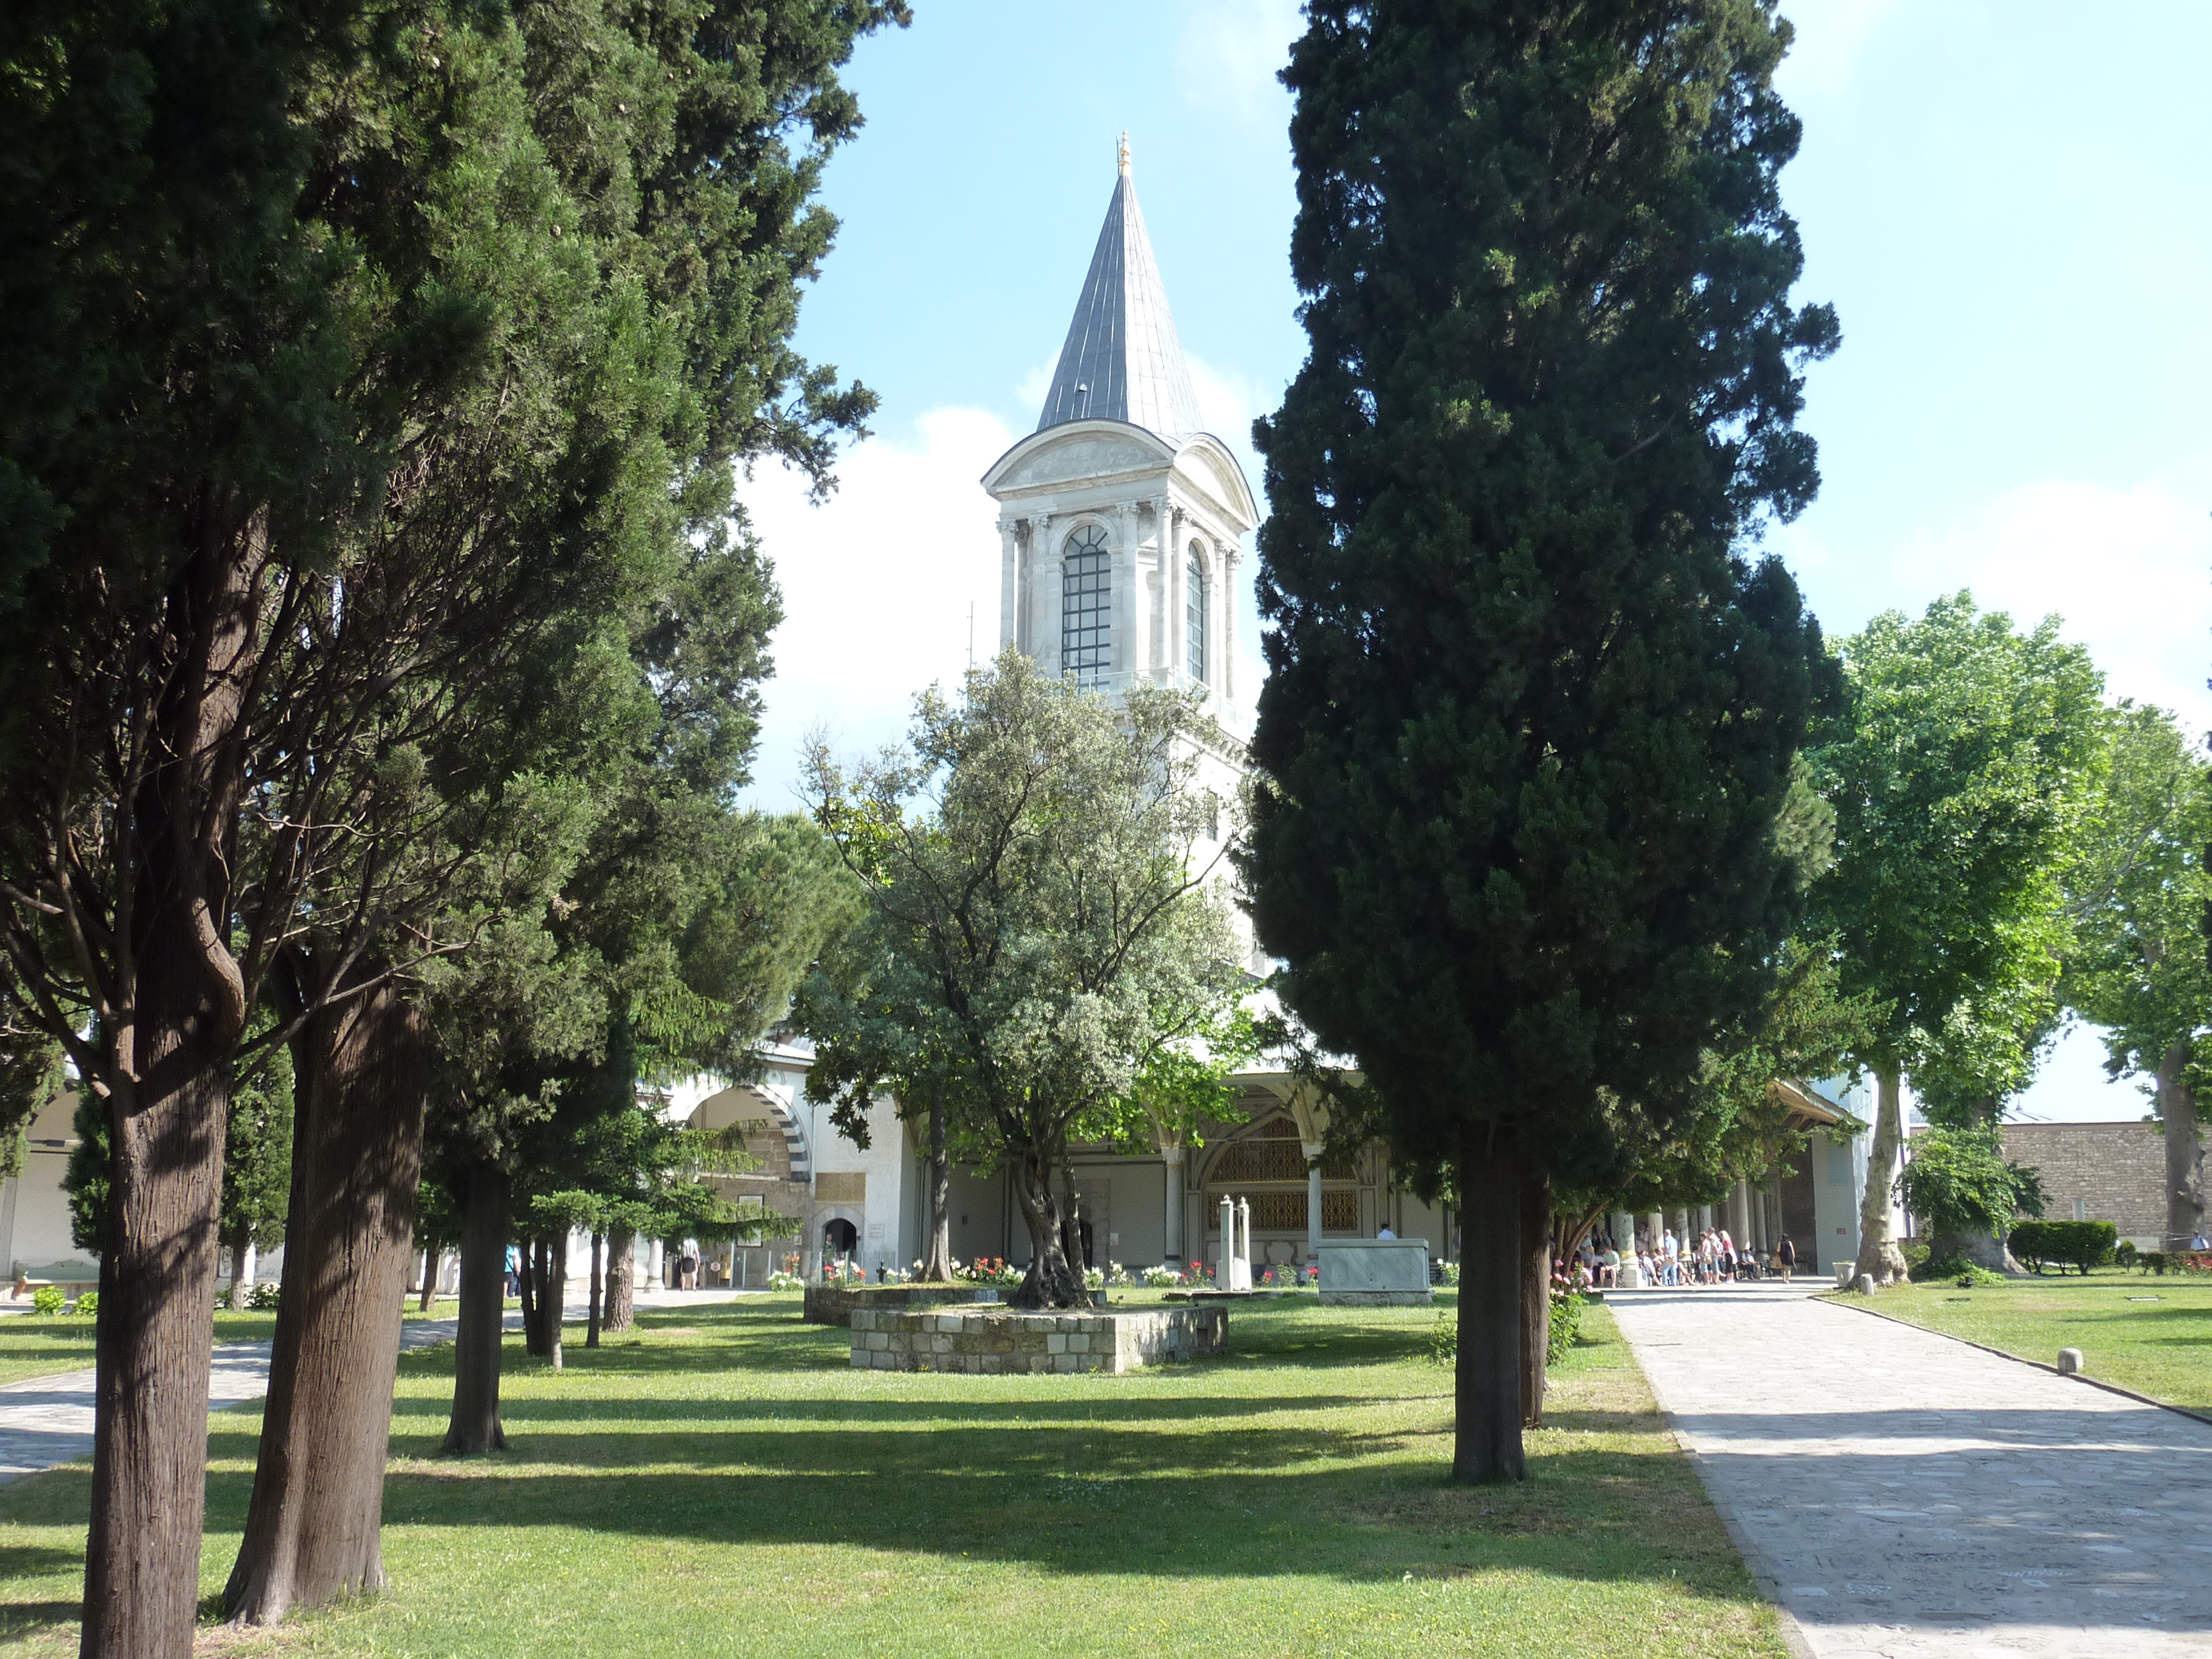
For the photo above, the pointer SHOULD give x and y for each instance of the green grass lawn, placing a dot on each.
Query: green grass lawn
(2151, 1334)
(718, 1482)
(44, 1344)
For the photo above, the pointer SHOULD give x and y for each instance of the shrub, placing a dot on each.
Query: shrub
(1567, 1321)
(2081, 1245)
(1449, 1270)
(87, 1306)
(2123, 1253)
(1444, 1338)
(1972, 1278)
(1916, 1267)
(264, 1297)
(781, 1280)
(2151, 1261)
(1161, 1278)
(47, 1299)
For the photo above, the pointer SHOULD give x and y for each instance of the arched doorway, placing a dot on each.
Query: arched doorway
(839, 1238)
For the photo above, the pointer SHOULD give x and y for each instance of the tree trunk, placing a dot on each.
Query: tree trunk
(153, 1336)
(937, 1256)
(1051, 1283)
(1972, 1245)
(621, 1311)
(241, 1276)
(431, 1261)
(1492, 1289)
(547, 1267)
(479, 1332)
(1535, 1293)
(591, 1310)
(2184, 1178)
(525, 1289)
(1879, 1254)
(314, 1528)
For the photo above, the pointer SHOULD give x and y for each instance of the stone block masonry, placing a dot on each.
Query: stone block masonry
(833, 1305)
(1003, 1341)
(2112, 1172)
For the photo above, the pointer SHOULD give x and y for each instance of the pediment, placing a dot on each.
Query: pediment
(1078, 450)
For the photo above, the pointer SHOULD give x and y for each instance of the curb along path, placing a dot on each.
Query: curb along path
(1905, 1495)
(47, 1420)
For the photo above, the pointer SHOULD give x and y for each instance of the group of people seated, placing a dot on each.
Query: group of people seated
(1712, 1258)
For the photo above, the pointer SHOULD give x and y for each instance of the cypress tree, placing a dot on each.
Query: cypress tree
(1533, 706)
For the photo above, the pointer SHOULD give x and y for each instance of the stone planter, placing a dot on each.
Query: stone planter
(833, 1305)
(996, 1342)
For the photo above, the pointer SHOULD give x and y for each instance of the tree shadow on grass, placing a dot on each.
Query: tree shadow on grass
(524, 1410)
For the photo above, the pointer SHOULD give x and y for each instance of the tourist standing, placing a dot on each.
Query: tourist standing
(1785, 1257)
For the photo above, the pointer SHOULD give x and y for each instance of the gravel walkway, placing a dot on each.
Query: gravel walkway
(1905, 1495)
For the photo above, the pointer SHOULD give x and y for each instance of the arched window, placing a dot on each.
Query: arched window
(1195, 611)
(1086, 594)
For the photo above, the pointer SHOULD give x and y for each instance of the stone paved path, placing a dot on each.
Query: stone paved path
(46, 1420)
(1904, 1495)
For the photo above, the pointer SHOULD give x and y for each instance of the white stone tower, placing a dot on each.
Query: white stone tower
(1122, 523)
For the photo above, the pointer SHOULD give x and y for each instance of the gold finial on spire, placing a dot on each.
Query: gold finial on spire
(1125, 153)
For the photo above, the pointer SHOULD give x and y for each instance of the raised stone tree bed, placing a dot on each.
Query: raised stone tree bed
(1002, 1341)
(833, 1305)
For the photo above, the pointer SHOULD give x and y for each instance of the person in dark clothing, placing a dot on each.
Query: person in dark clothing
(1785, 1257)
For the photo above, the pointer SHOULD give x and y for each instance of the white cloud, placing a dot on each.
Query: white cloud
(877, 585)
(2125, 569)
(1228, 54)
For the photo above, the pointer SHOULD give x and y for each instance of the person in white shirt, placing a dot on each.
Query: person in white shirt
(1384, 1232)
(1670, 1252)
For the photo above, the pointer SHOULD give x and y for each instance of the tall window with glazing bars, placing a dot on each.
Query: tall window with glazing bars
(1086, 594)
(1195, 611)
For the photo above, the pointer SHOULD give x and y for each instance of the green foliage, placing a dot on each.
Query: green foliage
(1566, 1324)
(256, 1179)
(2125, 1254)
(265, 1297)
(2139, 893)
(1960, 1180)
(2081, 1245)
(1531, 717)
(86, 1305)
(1045, 952)
(48, 1299)
(1967, 760)
(30, 1076)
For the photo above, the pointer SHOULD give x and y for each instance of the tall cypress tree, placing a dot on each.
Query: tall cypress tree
(1533, 708)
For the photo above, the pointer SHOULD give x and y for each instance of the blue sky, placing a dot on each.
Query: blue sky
(2007, 204)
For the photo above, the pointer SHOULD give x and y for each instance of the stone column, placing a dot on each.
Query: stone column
(1042, 598)
(1656, 1222)
(656, 1264)
(1225, 1270)
(1232, 556)
(1243, 1244)
(1128, 607)
(1010, 584)
(1171, 1233)
(1623, 1227)
(1173, 584)
(1313, 1201)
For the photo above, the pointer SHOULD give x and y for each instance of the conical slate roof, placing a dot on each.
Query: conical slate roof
(1122, 360)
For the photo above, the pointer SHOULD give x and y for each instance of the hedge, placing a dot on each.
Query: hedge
(2081, 1245)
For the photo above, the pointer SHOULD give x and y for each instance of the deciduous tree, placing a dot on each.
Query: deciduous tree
(1957, 775)
(1043, 923)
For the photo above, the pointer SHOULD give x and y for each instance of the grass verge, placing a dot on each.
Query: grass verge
(2153, 1335)
(720, 1481)
(46, 1345)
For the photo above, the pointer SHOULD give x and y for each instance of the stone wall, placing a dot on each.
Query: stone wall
(833, 1305)
(997, 1342)
(2115, 1171)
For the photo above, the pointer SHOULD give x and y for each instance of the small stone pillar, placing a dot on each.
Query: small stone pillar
(1313, 1201)
(1243, 1245)
(1225, 1273)
(1171, 1239)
